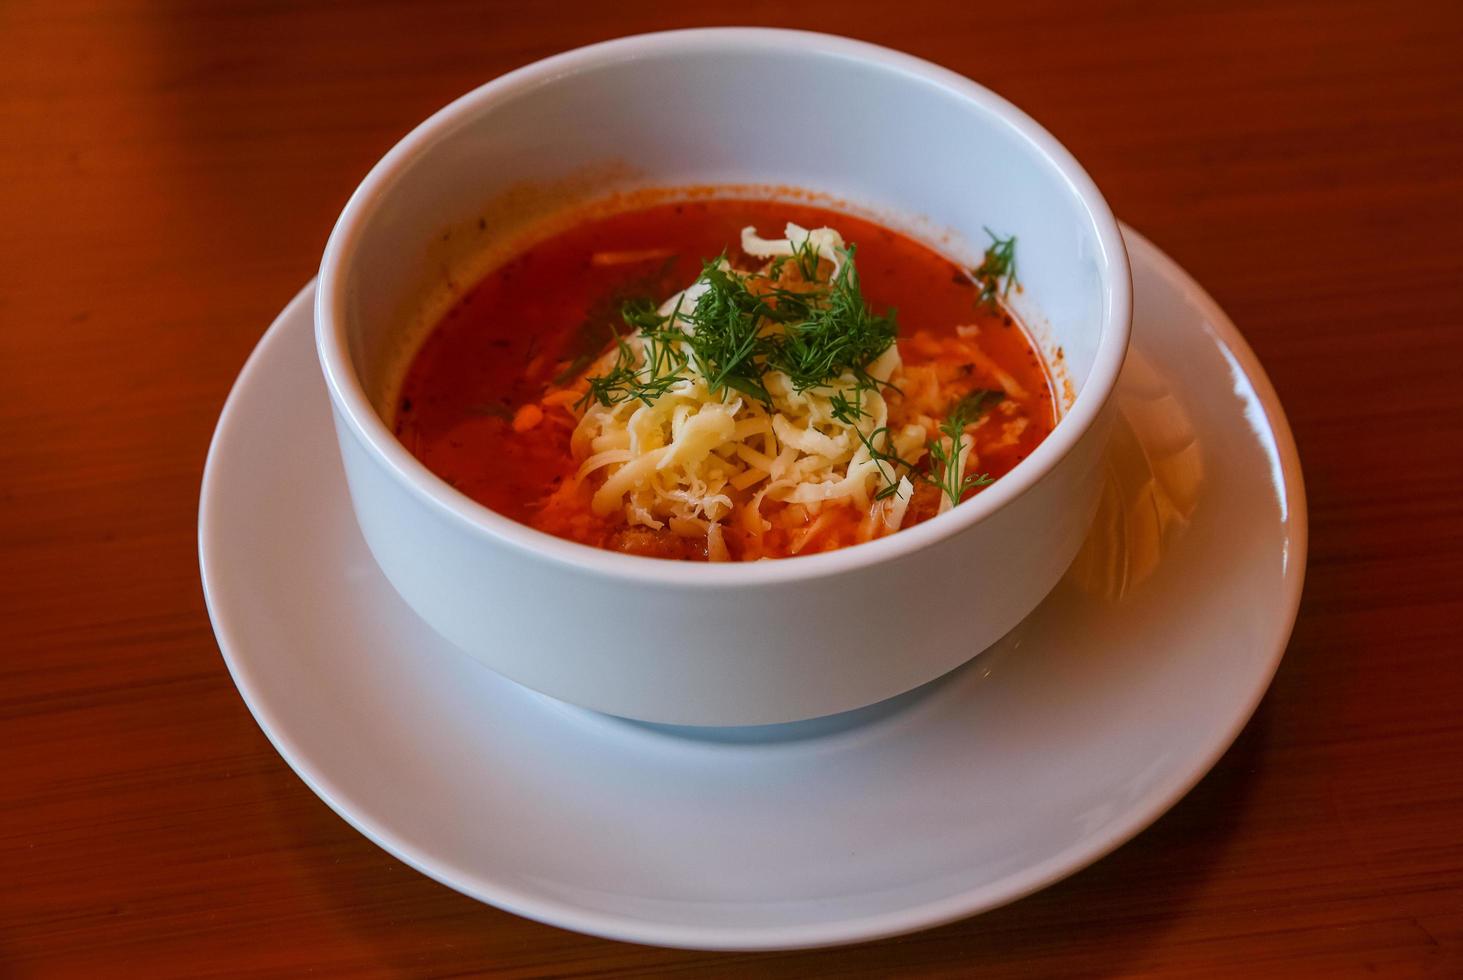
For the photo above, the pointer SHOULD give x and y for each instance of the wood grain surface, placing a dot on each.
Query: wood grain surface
(168, 175)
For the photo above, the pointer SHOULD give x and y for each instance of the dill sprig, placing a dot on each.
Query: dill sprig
(841, 335)
(826, 331)
(726, 337)
(587, 343)
(849, 411)
(645, 376)
(945, 457)
(806, 257)
(996, 273)
(630, 378)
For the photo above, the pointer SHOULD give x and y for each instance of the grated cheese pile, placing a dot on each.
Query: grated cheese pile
(690, 459)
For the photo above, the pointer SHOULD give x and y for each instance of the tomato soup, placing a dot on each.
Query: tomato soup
(527, 397)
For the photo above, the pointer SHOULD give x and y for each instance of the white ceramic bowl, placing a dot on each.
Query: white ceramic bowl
(731, 644)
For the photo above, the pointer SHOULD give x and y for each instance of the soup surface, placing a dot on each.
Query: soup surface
(885, 384)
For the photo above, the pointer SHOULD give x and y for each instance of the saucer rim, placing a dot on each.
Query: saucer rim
(1009, 888)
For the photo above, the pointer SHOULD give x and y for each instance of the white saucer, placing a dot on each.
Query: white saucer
(1046, 752)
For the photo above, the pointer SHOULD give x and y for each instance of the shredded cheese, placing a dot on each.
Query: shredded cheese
(690, 459)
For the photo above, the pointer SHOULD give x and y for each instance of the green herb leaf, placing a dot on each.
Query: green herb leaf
(841, 335)
(827, 331)
(607, 311)
(970, 407)
(945, 457)
(630, 378)
(849, 411)
(996, 273)
(806, 257)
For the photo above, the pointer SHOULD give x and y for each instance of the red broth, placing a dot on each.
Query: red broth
(537, 319)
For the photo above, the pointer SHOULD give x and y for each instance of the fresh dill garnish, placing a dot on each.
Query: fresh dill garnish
(973, 404)
(827, 331)
(806, 257)
(640, 314)
(946, 457)
(996, 273)
(587, 343)
(849, 411)
(726, 339)
(629, 377)
(840, 335)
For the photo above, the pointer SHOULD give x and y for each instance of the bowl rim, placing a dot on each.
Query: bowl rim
(354, 408)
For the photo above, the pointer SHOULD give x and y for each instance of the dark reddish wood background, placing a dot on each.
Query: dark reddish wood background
(168, 175)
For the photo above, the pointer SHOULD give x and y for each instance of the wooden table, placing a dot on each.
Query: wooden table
(168, 175)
